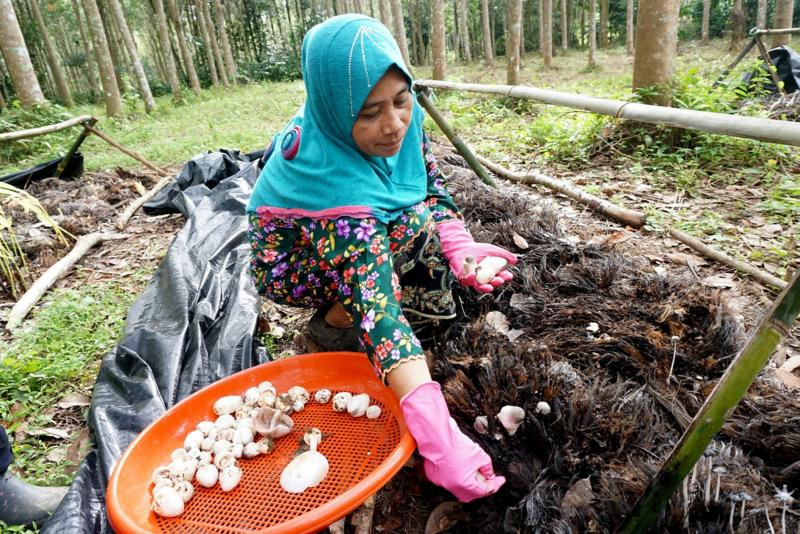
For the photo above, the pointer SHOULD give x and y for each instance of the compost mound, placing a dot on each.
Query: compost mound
(624, 357)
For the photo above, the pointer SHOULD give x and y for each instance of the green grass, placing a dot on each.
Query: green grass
(242, 117)
(58, 351)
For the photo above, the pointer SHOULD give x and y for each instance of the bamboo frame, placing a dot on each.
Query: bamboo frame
(773, 131)
(34, 132)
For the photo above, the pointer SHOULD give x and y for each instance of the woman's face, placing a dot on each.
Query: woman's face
(383, 120)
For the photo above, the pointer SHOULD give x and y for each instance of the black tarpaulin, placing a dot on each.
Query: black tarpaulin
(787, 63)
(192, 325)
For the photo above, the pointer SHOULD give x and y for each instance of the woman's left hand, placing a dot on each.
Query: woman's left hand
(458, 245)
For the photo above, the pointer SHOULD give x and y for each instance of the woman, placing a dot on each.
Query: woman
(352, 197)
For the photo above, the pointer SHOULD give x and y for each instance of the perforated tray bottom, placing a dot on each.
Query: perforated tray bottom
(354, 448)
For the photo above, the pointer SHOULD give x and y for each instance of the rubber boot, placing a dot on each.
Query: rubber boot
(22, 503)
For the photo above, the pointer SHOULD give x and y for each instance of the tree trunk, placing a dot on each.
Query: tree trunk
(629, 28)
(547, 24)
(656, 48)
(761, 14)
(513, 36)
(704, 33)
(183, 46)
(488, 54)
(386, 13)
(130, 44)
(212, 37)
(782, 19)
(590, 19)
(89, 64)
(15, 53)
(230, 65)
(416, 27)
(565, 25)
(738, 23)
(117, 58)
(201, 22)
(400, 30)
(103, 56)
(603, 23)
(540, 25)
(166, 48)
(52, 57)
(463, 29)
(437, 40)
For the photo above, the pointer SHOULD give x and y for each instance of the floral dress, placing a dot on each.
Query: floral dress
(390, 278)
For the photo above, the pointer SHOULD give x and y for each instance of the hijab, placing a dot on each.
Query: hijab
(316, 169)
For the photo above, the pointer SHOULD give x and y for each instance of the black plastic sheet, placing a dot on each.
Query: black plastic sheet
(787, 63)
(21, 179)
(192, 325)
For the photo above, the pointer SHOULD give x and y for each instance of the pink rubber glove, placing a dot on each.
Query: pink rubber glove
(457, 245)
(451, 459)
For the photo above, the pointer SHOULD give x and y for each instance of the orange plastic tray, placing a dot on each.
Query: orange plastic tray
(363, 455)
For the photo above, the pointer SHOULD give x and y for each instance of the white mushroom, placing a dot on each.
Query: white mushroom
(298, 405)
(511, 417)
(182, 470)
(340, 401)
(224, 421)
(306, 470)
(312, 437)
(180, 455)
(224, 460)
(267, 399)
(193, 439)
(237, 449)
(161, 475)
(358, 404)
(373, 412)
(481, 425)
(266, 386)
(222, 447)
(265, 445)
(251, 396)
(226, 434)
(322, 396)
(185, 490)
(251, 450)
(229, 477)
(272, 423)
(488, 268)
(299, 393)
(205, 427)
(227, 405)
(243, 435)
(207, 475)
(542, 408)
(469, 265)
(167, 502)
(283, 402)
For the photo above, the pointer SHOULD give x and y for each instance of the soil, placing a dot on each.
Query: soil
(653, 269)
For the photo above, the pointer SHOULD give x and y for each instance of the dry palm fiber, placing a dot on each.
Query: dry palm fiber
(614, 416)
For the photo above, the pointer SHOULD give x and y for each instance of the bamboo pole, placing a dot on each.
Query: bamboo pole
(773, 72)
(625, 216)
(138, 157)
(41, 130)
(53, 274)
(764, 278)
(779, 31)
(776, 324)
(458, 143)
(62, 166)
(773, 131)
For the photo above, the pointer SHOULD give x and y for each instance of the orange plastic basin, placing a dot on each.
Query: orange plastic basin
(363, 455)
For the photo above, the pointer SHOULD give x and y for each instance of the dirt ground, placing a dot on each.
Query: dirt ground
(94, 200)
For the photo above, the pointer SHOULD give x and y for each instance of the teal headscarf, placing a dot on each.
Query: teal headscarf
(342, 60)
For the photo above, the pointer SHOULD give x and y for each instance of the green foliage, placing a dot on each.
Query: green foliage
(59, 349)
(18, 118)
(783, 203)
(276, 64)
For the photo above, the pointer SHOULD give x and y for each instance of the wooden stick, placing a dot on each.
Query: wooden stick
(136, 204)
(33, 132)
(625, 216)
(74, 148)
(53, 274)
(705, 250)
(773, 131)
(138, 157)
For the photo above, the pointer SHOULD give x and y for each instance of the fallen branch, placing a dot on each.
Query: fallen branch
(33, 132)
(53, 274)
(138, 157)
(136, 204)
(705, 250)
(625, 216)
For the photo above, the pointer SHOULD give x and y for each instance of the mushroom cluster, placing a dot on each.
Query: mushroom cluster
(509, 417)
(247, 426)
